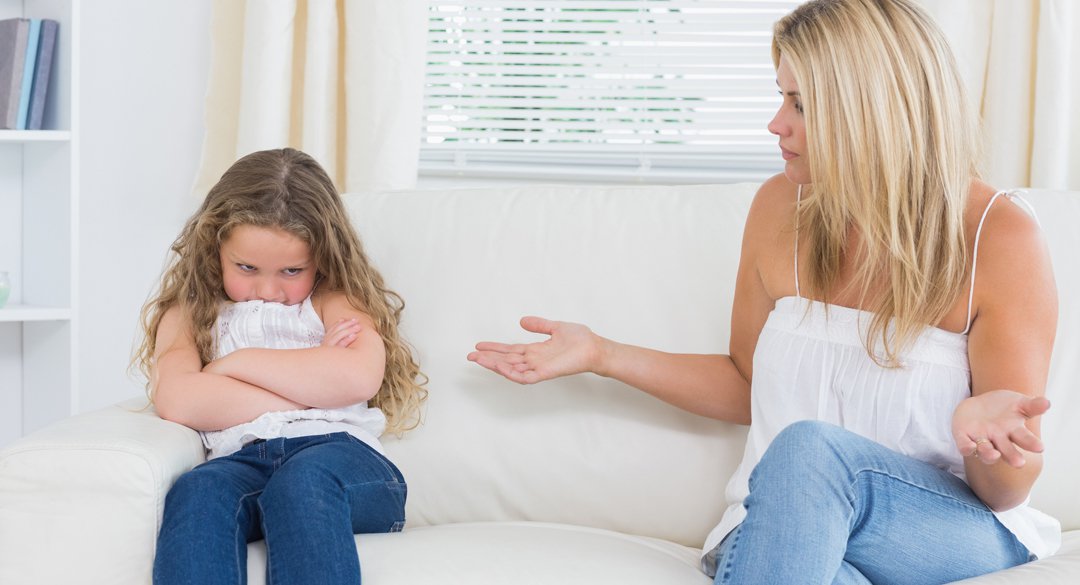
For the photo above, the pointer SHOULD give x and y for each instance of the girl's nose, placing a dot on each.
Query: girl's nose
(269, 292)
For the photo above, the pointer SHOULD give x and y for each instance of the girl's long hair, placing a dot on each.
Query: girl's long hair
(284, 189)
(892, 150)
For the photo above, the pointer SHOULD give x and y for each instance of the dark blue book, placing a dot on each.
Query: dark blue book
(28, 72)
(14, 33)
(40, 89)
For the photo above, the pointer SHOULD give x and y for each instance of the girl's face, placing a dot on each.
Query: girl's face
(788, 124)
(266, 264)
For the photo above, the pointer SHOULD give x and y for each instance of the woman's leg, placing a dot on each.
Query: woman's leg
(821, 497)
(327, 489)
(210, 515)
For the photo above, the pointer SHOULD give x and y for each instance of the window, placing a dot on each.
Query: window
(647, 90)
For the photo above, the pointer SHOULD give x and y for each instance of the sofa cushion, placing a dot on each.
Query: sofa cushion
(646, 265)
(513, 552)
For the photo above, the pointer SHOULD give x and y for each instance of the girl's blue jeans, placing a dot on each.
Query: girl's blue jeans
(827, 506)
(306, 497)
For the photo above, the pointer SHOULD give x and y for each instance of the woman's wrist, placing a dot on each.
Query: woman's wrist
(605, 353)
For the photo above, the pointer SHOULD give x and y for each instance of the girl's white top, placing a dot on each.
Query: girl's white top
(277, 326)
(814, 366)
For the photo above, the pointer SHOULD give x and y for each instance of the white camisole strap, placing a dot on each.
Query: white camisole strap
(798, 200)
(1015, 197)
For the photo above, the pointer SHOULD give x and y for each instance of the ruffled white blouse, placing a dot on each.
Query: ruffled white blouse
(277, 326)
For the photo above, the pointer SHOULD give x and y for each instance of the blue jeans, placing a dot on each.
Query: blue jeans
(829, 506)
(305, 496)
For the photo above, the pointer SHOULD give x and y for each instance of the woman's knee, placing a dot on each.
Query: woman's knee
(801, 450)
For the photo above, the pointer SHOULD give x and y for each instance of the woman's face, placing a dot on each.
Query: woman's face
(790, 127)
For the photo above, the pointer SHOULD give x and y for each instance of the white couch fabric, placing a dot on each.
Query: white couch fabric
(579, 480)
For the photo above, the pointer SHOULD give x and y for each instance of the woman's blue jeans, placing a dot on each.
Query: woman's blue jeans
(306, 497)
(829, 506)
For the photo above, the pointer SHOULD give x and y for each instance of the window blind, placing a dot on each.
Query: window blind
(615, 88)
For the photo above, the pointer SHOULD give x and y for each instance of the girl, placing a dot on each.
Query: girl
(891, 330)
(274, 337)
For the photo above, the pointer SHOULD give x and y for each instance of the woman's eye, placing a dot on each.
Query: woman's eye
(798, 107)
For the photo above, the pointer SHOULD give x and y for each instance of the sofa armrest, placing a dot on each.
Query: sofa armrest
(81, 500)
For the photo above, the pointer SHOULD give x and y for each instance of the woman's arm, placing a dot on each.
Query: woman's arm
(709, 385)
(184, 394)
(1009, 348)
(716, 386)
(332, 375)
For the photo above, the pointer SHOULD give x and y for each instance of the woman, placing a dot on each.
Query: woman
(891, 330)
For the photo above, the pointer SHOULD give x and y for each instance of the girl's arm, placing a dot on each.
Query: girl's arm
(329, 376)
(1009, 348)
(184, 394)
(716, 386)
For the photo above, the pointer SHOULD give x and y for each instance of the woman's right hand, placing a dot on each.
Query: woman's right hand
(571, 348)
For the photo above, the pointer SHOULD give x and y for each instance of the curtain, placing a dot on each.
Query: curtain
(339, 79)
(1021, 61)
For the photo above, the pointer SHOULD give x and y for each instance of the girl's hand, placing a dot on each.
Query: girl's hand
(991, 426)
(571, 349)
(342, 333)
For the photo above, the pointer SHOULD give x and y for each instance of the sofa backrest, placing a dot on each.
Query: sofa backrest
(652, 266)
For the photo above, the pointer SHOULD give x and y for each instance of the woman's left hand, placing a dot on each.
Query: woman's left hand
(991, 426)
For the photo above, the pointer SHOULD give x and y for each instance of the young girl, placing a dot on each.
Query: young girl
(891, 330)
(274, 337)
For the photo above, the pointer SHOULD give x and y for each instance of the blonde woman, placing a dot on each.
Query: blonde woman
(891, 330)
(274, 337)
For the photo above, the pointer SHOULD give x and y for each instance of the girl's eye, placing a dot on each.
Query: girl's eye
(246, 267)
(798, 107)
(292, 271)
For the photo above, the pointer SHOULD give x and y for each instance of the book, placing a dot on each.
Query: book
(14, 33)
(28, 72)
(39, 90)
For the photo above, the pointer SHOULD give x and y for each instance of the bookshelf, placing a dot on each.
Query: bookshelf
(39, 217)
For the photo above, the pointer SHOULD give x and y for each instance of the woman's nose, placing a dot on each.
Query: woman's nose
(777, 126)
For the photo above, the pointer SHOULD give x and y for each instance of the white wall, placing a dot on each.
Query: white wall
(144, 77)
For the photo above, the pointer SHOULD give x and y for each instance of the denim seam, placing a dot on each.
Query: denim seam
(236, 534)
(724, 573)
(983, 508)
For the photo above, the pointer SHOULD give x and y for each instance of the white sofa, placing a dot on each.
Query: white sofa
(579, 480)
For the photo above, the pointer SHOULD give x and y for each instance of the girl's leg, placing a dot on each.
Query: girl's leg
(327, 489)
(210, 515)
(821, 497)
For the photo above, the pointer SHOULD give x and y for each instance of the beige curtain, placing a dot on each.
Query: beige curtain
(339, 79)
(1021, 60)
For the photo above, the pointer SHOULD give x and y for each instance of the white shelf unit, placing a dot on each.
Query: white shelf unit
(39, 213)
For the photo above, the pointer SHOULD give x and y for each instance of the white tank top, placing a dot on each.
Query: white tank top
(278, 326)
(814, 366)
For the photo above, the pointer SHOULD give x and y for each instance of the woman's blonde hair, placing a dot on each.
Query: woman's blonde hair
(892, 151)
(284, 189)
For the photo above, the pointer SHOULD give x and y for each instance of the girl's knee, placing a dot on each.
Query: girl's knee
(194, 485)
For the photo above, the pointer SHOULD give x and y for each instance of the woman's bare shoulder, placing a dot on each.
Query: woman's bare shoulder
(774, 199)
(1013, 259)
(1007, 223)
